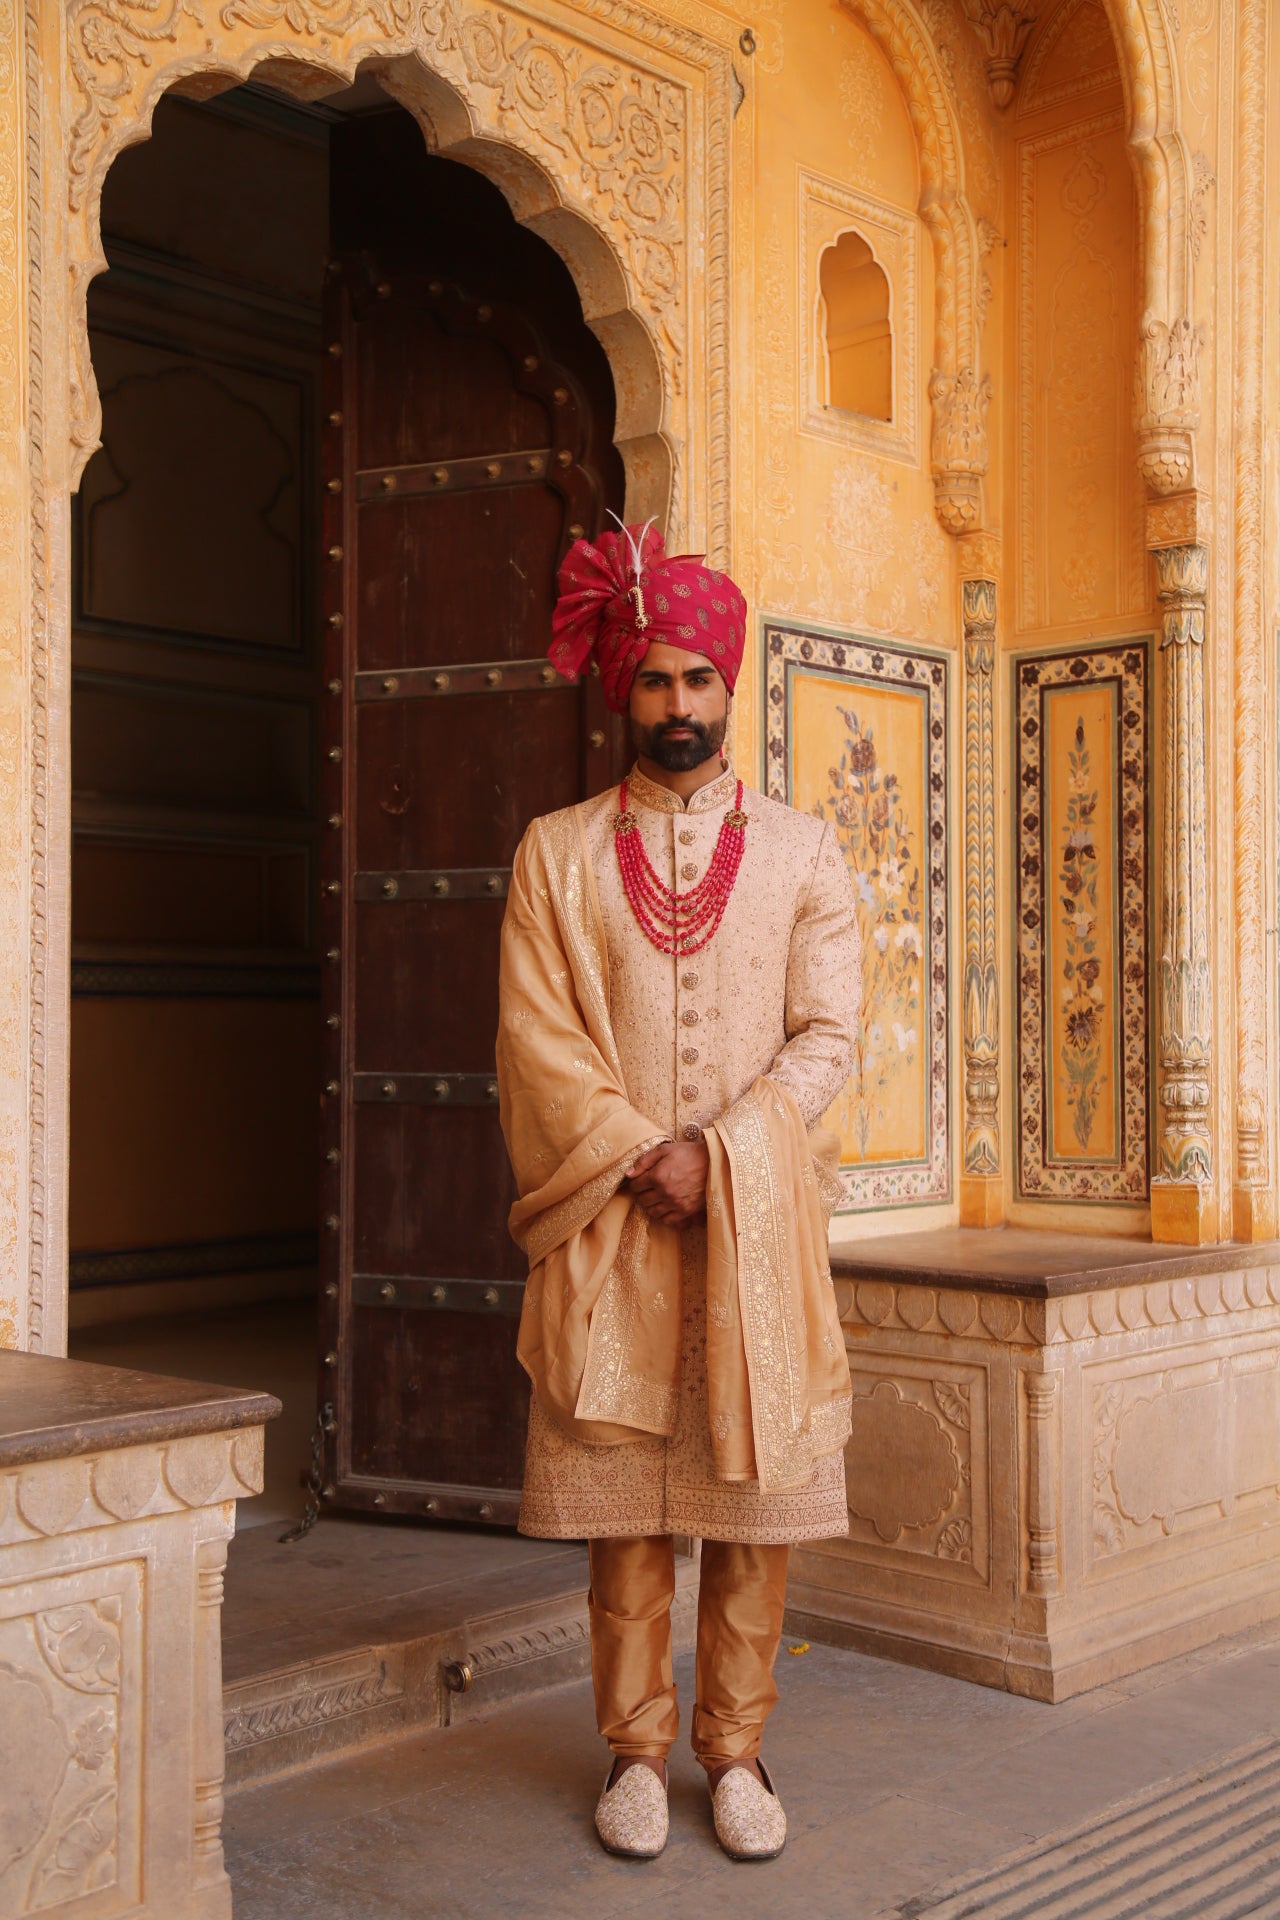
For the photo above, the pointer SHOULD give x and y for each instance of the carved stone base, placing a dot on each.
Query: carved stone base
(1253, 1214)
(1065, 1462)
(981, 1200)
(117, 1499)
(1183, 1213)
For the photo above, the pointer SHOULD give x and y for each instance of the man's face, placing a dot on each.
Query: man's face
(679, 708)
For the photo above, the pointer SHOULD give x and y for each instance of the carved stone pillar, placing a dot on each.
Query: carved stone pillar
(209, 1875)
(1253, 1210)
(981, 1187)
(1042, 1505)
(959, 457)
(1183, 1200)
(1168, 401)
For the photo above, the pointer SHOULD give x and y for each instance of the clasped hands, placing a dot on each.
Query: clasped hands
(670, 1181)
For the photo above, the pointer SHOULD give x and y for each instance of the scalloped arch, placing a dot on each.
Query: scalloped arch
(1150, 81)
(648, 454)
(1148, 77)
(958, 387)
(592, 148)
(902, 37)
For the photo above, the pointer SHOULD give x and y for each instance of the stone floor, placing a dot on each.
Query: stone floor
(896, 1781)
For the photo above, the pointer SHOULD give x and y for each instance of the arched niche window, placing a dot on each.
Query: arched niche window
(854, 316)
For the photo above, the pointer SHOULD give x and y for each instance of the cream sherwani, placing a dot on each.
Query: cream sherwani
(692, 1381)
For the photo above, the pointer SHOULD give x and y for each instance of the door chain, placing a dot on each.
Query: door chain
(314, 1482)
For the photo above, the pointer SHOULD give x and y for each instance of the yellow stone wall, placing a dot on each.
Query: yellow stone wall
(1068, 204)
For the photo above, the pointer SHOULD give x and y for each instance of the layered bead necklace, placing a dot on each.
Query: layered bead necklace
(679, 923)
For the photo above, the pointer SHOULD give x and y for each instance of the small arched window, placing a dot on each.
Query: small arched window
(854, 315)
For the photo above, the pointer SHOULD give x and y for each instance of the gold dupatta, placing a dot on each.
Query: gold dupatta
(776, 1365)
(600, 1330)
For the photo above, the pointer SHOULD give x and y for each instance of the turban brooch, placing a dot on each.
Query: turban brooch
(621, 591)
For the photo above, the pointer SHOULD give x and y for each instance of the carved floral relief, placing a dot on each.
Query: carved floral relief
(857, 734)
(1184, 1448)
(69, 1792)
(915, 1465)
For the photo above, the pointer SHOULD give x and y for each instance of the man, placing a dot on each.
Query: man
(680, 969)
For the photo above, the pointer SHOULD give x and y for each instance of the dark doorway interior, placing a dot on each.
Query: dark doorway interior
(227, 997)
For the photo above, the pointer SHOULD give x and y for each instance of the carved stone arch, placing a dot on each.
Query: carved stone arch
(959, 388)
(619, 123)
(1168, 347)
(1168, 395)
(593, 149)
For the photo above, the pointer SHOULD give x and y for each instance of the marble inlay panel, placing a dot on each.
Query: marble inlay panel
(857, 733)
(1083, 932)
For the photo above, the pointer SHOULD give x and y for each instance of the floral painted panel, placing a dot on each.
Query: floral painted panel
(1083, 923)
(857, 734)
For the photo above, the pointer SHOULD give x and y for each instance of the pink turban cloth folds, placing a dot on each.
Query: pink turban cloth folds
(686, 603)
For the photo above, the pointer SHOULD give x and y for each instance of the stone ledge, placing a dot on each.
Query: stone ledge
(1065, 1456)
(1038, 1266)
(51, 1409)
(117, 1498)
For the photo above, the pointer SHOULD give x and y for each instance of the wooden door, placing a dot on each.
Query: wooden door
(455, 459)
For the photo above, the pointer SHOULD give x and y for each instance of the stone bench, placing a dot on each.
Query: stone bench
(117, 1500)
(1065, 1461)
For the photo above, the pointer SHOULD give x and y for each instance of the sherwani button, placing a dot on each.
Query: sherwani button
(689, 1056)
(689, 871)
(687, 836)
(688, 1093)
(689, 979)
(690, 1016)
(692, 1132)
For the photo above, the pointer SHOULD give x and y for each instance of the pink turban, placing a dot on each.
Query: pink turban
(621, 592)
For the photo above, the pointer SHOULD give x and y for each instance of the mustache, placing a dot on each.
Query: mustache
(682, 726)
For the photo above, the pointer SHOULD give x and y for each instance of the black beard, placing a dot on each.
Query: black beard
(679, 756)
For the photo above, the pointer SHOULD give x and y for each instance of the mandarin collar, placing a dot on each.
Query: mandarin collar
(719, 792)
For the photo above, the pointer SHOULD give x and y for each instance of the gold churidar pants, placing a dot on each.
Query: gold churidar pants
(740, 1605)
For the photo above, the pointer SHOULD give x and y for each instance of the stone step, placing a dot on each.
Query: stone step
(363, 1632)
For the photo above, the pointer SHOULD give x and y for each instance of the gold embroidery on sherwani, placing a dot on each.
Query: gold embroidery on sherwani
(719, 792)
(610, 1361)
(653, 1486)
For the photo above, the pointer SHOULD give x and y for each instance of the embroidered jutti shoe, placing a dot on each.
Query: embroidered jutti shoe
(750, 1823)
(631, 1815)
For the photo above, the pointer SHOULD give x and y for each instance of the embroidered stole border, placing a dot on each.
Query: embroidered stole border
(789, 1432)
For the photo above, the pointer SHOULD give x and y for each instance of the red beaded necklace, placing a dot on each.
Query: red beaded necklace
(679, 923)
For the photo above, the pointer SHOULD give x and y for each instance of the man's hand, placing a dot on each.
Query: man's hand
(670, 1181)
